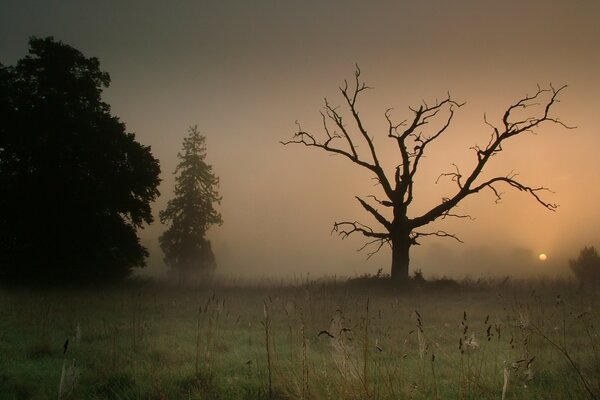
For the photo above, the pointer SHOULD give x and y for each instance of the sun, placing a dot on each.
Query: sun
(543, 257)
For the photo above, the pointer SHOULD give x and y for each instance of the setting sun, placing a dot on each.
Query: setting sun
(543, 257)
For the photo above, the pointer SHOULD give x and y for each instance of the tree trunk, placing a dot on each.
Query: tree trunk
(400, 257)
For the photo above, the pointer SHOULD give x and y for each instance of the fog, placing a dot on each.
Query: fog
(244, 72)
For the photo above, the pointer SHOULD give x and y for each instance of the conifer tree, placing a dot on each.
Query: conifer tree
(191, 212)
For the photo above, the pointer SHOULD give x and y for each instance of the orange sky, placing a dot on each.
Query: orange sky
(245, 71)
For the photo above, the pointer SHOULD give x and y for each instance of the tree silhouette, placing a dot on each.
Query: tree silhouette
(75, 185)
(586, 266)
(191, 212)
(402, 231)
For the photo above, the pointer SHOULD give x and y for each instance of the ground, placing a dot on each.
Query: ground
(311, 340)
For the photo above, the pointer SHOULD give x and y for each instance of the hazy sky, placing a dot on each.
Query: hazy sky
(244, 71)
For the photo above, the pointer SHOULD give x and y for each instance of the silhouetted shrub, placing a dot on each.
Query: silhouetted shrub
(418, 277)
(444, 283)
(587, 266)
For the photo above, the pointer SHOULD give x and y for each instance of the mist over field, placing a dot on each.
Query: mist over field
(245, 72)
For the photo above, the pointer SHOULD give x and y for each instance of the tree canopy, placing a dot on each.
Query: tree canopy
(191, 211)
(76, 185)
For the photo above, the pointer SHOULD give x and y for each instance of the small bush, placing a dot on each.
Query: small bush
(418, 277)
(587, 266)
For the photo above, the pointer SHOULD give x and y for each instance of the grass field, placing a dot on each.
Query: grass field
(368, 340)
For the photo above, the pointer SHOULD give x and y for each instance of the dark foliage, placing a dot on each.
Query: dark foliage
(587, 266)
(75, 185)
(191, 212)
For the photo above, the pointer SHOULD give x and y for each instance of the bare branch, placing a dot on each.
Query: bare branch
(511, 128)
(347, 228)
(454, 176)
(533, 191)
(528, 124)
(379, 242)
(444, 234)
(384, 203)
(359, 87)
(351, 100)
(420, 150)
(448, 214)
(393, 128)
(380, 218)
(403, 169)
(424, 113)
(349, 151)
(412, 145)
(335, 117)
(309, 140)
(330, 136)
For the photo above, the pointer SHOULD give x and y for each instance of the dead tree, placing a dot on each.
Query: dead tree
(412, 138)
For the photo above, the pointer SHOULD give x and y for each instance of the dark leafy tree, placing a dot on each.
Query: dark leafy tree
(191, 212)
(586, 266)
(76, 185)
(412, 137)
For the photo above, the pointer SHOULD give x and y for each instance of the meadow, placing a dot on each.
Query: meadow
(310, 340)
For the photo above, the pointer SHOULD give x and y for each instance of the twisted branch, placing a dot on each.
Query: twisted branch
(511, 128)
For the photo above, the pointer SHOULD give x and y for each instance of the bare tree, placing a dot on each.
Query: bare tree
(412, 138)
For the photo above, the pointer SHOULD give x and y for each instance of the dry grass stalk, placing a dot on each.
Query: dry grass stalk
(199, 319)
(562, 350)
(435, 385)
(346, 357)
(267, 326)
(505, 385)
(366, 351)
(68, 375)
(305, 381)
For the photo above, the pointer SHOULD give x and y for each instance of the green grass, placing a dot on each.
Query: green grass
(151, 342)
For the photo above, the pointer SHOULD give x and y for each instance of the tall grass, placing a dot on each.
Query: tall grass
(309, 341)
